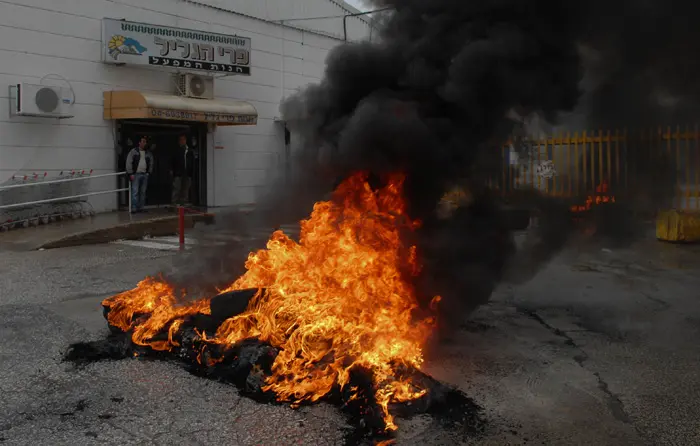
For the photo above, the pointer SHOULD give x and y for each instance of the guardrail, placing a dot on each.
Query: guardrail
(34, 199)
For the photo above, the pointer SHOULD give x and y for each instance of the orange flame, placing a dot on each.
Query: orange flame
(336, 300)
(601, 196)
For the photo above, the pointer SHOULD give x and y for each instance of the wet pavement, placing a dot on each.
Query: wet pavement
(600, 348)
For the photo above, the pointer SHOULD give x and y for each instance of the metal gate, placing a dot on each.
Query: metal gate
(572, 164)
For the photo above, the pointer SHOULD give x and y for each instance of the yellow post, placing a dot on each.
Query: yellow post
(553, 145)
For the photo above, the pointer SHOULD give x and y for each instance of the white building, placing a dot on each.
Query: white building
(60, 43)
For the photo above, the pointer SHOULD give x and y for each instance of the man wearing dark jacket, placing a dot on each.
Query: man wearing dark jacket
(182, 171)
(139, 165)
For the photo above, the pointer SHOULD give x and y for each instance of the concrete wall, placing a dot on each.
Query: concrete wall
(63, 37)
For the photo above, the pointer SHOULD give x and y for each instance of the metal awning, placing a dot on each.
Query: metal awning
(139, 105)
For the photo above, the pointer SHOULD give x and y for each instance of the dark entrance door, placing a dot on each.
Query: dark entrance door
(162, 141)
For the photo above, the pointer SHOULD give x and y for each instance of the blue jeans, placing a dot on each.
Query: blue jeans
(138, 191)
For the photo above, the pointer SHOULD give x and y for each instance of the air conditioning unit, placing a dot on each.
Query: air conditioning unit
(42, 101)
(195, 86)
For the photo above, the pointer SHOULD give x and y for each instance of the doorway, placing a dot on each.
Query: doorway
(162, 141)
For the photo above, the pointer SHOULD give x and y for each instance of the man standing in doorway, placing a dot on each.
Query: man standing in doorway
(139, 165)
(182, 171)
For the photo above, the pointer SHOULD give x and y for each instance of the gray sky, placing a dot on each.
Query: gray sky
(357, 4)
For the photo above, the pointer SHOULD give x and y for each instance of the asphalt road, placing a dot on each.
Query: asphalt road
(600, 348)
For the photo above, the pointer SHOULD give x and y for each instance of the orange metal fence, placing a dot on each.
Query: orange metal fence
(577, 163)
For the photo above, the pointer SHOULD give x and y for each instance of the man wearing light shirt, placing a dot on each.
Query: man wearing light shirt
(139, 166)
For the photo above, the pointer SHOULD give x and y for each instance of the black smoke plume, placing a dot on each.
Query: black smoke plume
(431, 96)
(641, 59)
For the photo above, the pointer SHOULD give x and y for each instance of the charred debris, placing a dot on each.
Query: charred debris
(248, 364)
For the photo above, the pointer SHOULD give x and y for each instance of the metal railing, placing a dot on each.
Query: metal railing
(30, 200)
(574, 163)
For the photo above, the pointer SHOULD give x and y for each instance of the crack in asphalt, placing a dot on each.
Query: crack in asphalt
(662, 303)
(614, 403)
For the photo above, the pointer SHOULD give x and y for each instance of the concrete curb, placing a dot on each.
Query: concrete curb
(156, 227)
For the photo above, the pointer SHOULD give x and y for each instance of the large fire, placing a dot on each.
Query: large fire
(338, 299)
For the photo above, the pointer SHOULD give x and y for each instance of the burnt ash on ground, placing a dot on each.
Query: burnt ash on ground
(248, 363)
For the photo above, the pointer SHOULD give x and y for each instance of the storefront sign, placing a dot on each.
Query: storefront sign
(143, 44)
(184, 115)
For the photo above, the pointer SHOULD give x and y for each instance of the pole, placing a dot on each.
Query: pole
(181, 226)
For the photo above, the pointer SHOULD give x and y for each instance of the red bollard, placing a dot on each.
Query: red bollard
(181, 225)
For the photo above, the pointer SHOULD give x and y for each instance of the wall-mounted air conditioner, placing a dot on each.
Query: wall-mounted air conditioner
(195, 86)
(42, 101)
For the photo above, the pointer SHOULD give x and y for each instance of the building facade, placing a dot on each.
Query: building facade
(123, 85)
